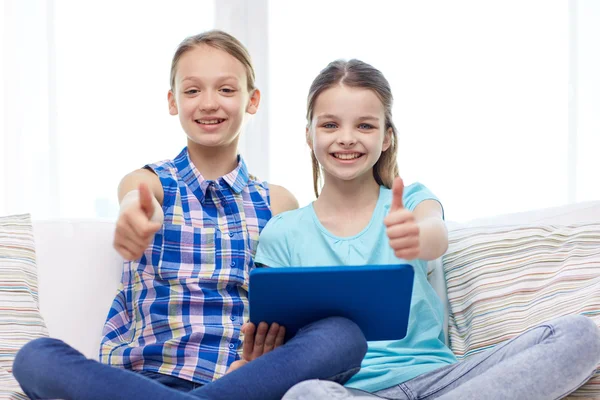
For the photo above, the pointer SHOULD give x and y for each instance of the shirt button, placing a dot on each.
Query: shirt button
(230, 234)
(231, 346)
(232, 318)
(232, 264)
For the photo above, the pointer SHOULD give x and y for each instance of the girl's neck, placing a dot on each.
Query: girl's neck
(348, 195)
(213, 162)
(345, 208)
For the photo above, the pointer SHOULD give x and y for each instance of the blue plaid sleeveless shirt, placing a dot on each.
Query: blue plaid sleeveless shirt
(180, 307)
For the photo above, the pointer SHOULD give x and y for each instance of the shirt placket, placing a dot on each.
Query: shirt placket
(231, 229)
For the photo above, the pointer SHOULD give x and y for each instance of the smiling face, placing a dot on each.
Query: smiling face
(211, 96)
(347, 133)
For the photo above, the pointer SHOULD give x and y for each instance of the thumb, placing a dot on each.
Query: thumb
(397, 192)
(146, 200)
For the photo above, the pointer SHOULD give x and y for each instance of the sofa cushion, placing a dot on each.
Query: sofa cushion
(20, 318)
(80, 271)
(503, 280)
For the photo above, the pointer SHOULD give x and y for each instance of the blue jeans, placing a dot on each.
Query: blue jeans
(173, 382)
(545, 363)
(330, 349)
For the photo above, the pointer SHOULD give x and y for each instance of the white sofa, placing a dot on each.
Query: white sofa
(79, 271)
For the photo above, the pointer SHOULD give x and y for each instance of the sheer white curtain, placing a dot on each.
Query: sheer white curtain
(480, 93)
(496, 101)
(27, 172)
(586, 96)
(85, 98)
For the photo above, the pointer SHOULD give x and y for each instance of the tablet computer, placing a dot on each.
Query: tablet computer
(376, 297)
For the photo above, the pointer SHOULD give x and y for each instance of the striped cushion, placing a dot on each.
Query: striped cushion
(20, 318)
(503, 280)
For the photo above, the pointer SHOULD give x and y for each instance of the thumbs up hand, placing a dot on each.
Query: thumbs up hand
(402, 228)
(140, 218)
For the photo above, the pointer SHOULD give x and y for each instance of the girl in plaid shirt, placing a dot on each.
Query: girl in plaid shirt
(189, 229)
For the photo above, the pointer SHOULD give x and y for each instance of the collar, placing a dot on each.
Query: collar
(237, 179)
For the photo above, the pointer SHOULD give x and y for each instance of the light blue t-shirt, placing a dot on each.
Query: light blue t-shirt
(297, 238)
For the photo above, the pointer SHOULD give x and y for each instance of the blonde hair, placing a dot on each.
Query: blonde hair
(358, 74)
(219, 40)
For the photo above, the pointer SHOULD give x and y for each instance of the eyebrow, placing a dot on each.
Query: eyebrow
(326, 116)
(220, 78)
(363, 118)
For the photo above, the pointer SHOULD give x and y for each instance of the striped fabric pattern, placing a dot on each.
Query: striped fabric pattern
(181, 306)
(503, 280)
(20, 318)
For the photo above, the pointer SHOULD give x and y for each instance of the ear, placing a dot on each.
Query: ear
(387, 139)
(172, 103)
(253, 102)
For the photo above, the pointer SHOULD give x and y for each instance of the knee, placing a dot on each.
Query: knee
(33, 356)
(343, 335)
(583, 335)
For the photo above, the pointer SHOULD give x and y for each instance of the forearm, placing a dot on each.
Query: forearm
(433, 238)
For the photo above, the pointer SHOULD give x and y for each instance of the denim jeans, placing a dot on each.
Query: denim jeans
(330, 349)
(173, 382)
(545, 363)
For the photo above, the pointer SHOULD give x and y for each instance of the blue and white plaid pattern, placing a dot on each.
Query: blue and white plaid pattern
(180, 307)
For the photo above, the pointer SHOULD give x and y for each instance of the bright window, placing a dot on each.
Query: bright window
(112, 77)
(480, 94)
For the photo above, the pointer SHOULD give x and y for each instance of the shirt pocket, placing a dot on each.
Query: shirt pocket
(188, 252)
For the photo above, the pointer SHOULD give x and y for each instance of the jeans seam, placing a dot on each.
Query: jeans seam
(352, 370)
(491, 353)
(578, 386)
(409, 393)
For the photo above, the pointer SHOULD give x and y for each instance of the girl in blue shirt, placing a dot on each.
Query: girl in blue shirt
(364, 215)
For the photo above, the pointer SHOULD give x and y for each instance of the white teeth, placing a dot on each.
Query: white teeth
(209, 122)
(347, 156)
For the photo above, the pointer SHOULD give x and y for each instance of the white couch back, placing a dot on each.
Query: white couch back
(79, 271)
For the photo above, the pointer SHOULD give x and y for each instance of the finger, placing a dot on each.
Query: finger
(128, 253)
(235, 365)
(271, 336)
(404, 230)
(130, 233)
(280, 336)
(141, 226)
(400, 216)
(248, 348)
(134, 251)
(123, 252)
(146, 200)
(259, 339)
(130, 245)
(405, 244)
(397, 192)
(407, 254)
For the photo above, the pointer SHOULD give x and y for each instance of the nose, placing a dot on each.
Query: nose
(208, 101)
(346, 138)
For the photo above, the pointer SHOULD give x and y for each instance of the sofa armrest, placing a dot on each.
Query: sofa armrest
(435, 275)
(79, 274)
